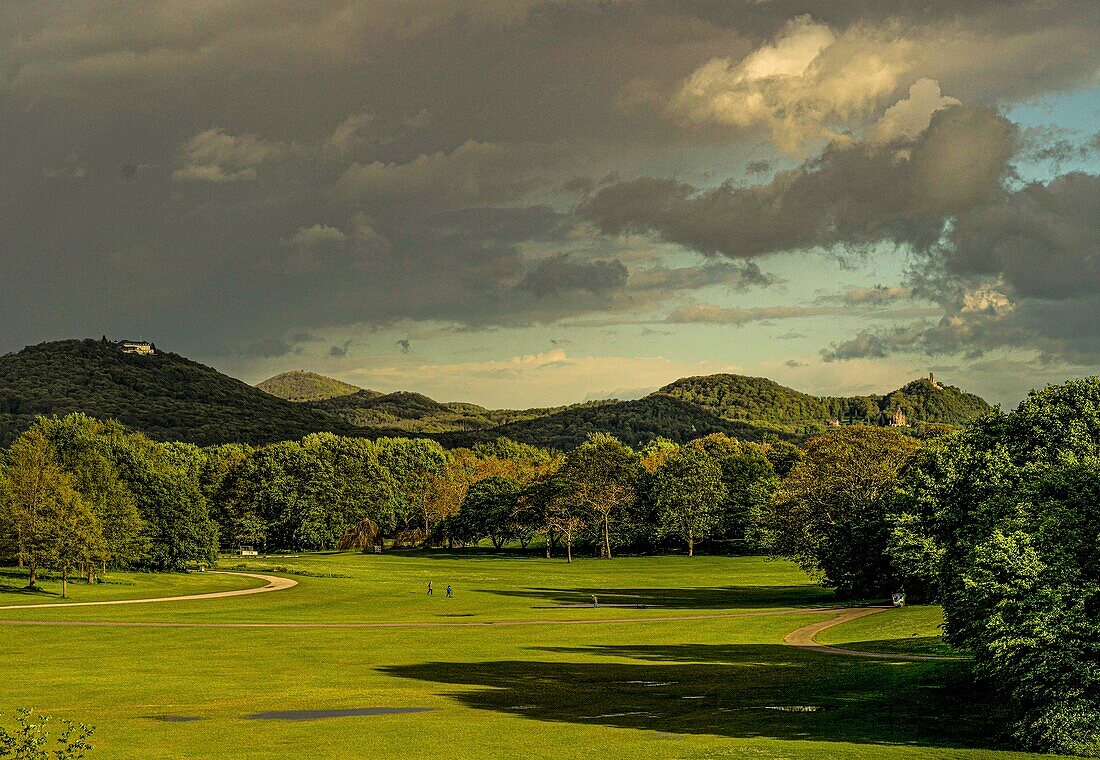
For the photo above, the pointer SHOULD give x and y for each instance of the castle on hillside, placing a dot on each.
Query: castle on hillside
(932, 379)
(897, 419)
(140, 347)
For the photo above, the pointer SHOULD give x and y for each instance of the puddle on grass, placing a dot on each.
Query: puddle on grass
(321, 714)
(796, 708)
(174, 718)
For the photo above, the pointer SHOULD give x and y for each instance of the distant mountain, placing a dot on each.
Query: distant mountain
(161, 394)
(409, 413)
(300, 385)
(169, 397)
(633, 422)
(758, 399)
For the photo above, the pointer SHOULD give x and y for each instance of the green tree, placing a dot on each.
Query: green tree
(489, 509)
(36, 493)
(601, 476)
(84, 449)
(831, 514)
(1001, 521)
(689, 496)
(750, 482)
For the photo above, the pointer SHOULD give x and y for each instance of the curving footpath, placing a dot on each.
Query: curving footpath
(274, 583)
(804, 638)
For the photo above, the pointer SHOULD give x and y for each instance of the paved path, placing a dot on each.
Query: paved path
(274, 583)
(804, 638)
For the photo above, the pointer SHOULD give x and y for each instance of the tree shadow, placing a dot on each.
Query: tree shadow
(15, 582)
(740, 691)
(689, 598)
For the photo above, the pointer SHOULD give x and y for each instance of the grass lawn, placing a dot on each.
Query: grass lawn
(636, 686)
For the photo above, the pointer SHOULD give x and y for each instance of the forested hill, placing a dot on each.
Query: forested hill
(300, 385)
(737, 397)
(162, 395)
(633, 422)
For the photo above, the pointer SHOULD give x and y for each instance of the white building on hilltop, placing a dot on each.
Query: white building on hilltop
(142, 347)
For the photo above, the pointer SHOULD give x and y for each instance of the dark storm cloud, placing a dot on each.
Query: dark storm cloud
(222, 175)
(561, 275)
(1044, 239)
(854, 194)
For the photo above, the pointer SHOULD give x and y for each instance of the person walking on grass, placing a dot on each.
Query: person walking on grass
(450, 593)
(429, 588)
(595, 601)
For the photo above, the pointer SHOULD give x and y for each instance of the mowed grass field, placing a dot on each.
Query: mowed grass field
(692, 665)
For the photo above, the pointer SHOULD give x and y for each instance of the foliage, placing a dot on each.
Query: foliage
(489, 511)
(163, 395)
(601, 476)
(1001, 520)
(31, 737)
(738, 397)
(689, 495)
(830, 514)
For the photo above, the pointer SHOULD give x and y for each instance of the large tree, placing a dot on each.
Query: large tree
(689, 493)
(830, 514)
(601, 476)
(52, 524)
(1001, 520)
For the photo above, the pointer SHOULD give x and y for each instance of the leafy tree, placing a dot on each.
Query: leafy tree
(489, 509)
(830, 514)
(689, 495)
(1001, 521)
(601, 476)
(30, 738)
(84, 449)
(411, 461)
(37, 492)
(749, 480)
(557, 515)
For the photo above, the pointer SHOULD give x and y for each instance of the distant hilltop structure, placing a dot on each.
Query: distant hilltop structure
(932, 379)
(897, 419)
(141, 347)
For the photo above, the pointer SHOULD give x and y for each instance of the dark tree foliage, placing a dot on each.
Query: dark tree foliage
(758, 399)
(830, 513)
(490, 510)
(163, 395)
(1002, 521)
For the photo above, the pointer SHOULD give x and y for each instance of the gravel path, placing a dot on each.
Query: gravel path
(803, 638)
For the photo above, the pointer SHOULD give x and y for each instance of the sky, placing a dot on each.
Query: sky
(522, 203)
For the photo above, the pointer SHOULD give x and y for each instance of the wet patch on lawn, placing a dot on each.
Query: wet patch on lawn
(322, 714)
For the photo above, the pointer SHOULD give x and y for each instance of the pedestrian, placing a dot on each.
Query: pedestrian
(595, 601)
(429, 588)
(450, 593)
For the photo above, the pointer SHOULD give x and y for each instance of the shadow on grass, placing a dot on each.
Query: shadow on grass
(691, 598)
(15, 582)
(911, 645)
(732, 691)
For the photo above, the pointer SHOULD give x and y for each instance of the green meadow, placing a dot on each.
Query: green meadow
(684, 658)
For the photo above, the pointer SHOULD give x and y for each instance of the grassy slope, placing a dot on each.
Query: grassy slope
(301, 385)
(661, 690)
(119, 585)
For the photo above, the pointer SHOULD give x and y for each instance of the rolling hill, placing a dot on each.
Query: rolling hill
(758, 399)
(170, 397)
(163, 395)
(300, 385)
